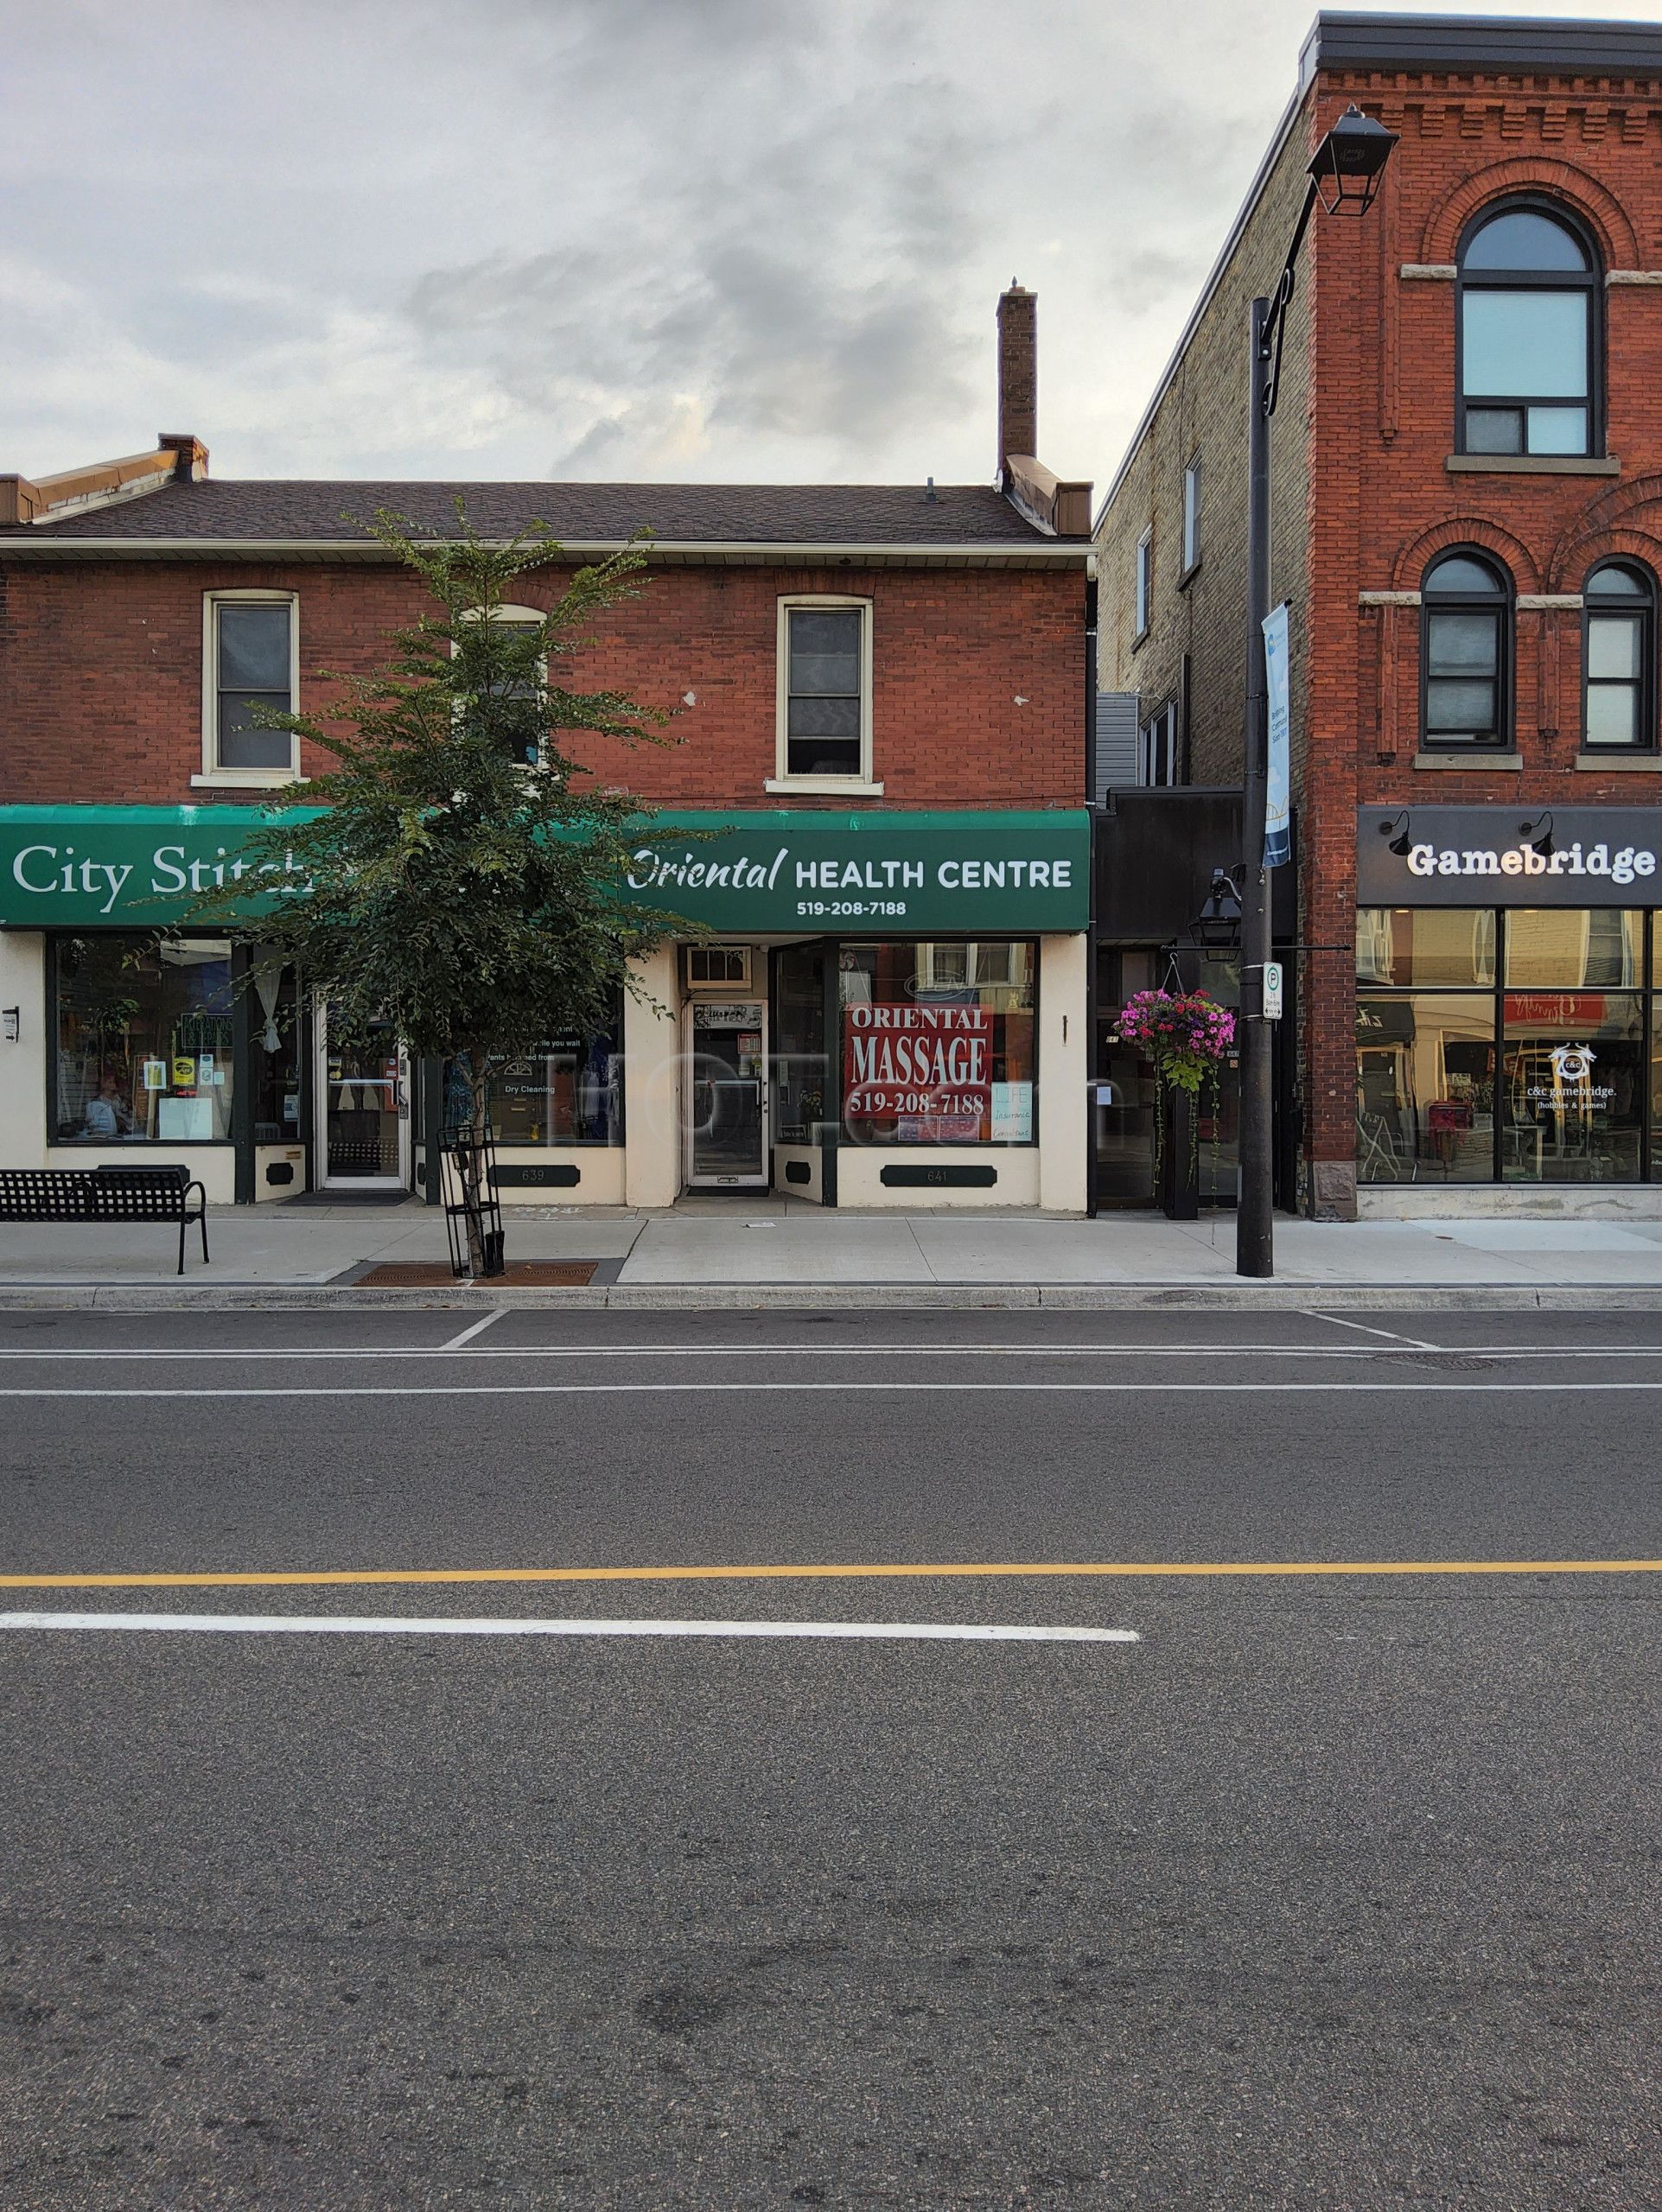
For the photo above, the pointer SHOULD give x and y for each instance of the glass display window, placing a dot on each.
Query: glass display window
(1573, 1087)
(567, 1091)
(1425, 1069)
(805, 1083)
(940, 1042)
(1406, 946)
(143, 1040)
(1566, 947)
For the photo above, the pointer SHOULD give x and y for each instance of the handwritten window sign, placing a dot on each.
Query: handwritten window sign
(910, 1060)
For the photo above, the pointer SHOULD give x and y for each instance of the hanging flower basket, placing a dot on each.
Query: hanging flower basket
(1189, 1037)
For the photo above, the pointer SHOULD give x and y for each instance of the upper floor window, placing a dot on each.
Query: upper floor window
(1157, 747)
(1192, 515)
(824, 733)
(1619, 658)
(1144, 581)
(513, 687)
(1529, 333)
(249, 663)
(1465, 653)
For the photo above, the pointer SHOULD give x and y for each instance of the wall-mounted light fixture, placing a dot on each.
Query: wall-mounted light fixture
(1398, 833)
(1538, 834)
(11, 1023)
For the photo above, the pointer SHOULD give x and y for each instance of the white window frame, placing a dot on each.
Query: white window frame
(1156, 749)
(244, 779)
(1143, 605)
(537, 614)
(1192, 491)
(861, 785)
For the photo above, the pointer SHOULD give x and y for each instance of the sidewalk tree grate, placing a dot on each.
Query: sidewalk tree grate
(520, 1274)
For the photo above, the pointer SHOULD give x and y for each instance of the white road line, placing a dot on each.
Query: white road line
(1392, 1336)
(473, 1329)
(1403, 1348)
(381, 1624)
(755, 1389)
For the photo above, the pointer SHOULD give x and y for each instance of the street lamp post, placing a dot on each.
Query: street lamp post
(1344, 178)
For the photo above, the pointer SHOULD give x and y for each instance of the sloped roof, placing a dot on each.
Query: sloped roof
(301, 511)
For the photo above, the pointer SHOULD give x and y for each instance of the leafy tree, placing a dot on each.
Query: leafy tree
(462, 878)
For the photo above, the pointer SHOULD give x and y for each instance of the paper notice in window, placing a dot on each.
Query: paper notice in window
(155, 1075)
(1012, 1113)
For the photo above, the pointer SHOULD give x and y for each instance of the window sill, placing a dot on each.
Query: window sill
(1532, 464)
(1188, 577)
(247, 779)
(1139, 641)
(1628, 764)
(824, 786)
(1473, 762)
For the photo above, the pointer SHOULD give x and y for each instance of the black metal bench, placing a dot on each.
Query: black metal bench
(107, 1193)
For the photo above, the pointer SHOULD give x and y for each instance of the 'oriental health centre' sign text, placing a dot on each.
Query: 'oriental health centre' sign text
(763, 872)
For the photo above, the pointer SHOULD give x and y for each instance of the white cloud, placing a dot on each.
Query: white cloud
(712, 238)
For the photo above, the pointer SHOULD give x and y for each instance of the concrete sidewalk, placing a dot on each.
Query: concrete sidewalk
(765, 1249)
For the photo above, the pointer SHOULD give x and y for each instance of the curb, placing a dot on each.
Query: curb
(1276, 1296)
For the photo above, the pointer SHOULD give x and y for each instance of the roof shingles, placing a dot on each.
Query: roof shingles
(297, 512)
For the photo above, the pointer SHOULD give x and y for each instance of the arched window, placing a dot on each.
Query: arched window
(1528, 334)
(1619, 658)
(1465, 653)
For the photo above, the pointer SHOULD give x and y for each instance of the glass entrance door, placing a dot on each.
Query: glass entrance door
(363, 1119)
(726, 1096)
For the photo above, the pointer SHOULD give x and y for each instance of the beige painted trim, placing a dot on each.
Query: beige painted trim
(244, 779)
(1597, 763)
(1633, 276)
(1532, 464)
(823, 786)
(1484, 763)
(1429, 272)
(1387, 599)
(782, 779)
(1536, 602)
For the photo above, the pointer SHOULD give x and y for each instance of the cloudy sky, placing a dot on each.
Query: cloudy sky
(742, 239)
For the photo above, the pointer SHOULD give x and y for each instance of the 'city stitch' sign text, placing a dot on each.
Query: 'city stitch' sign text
(50, 870)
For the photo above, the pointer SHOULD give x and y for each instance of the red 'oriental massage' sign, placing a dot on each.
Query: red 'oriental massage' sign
(917, 1059)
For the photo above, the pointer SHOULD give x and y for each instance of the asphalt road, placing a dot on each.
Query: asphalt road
(1333, 1888)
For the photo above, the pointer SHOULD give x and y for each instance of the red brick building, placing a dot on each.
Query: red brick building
(1468, 530)
(879, 692)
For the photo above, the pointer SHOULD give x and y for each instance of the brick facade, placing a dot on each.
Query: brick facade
(978, 676)
(1368, 456)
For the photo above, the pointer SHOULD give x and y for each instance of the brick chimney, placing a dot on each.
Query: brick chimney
(190, 454)
(1018, 376)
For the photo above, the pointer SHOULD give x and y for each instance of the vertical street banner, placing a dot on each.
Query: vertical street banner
(1277, 814)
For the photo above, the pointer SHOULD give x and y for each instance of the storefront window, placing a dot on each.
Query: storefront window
(144, 1041)
(569, 1091)
(1425, 1088)
(274, 1054)
(940, 1042)
(1537, 1075)
(1402, 946)
(802, 1079)
(1573, 1087)
(1563, 947)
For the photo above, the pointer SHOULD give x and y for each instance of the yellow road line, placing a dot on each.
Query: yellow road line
(949, 1570)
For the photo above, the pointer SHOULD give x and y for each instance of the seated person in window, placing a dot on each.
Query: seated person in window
(108, 1114)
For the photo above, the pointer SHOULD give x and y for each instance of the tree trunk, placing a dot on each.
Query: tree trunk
(471, 1163)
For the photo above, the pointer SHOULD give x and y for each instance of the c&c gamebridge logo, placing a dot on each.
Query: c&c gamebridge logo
(1572, 1081)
